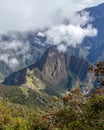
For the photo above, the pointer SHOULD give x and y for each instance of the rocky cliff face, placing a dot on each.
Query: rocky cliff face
(16, 78)
(54, 68)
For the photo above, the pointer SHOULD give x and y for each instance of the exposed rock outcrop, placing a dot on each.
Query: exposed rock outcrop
(54, 68)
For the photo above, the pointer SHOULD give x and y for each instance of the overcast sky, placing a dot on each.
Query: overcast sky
(33, 14)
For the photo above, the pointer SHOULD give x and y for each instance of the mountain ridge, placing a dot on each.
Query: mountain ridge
(54, 68)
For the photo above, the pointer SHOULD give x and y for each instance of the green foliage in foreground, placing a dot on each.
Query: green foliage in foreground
(20, 108)
(76, 113)
(16, 117)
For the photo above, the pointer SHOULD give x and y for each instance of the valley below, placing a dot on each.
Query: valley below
(54, 86)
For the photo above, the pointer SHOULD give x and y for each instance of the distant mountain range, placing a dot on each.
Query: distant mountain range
(19, 49)
(62, 65)
(92, 49)
(34, 74)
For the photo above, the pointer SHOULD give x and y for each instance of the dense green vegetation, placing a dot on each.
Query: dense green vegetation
(24, 96)
(76, 112)
(22, 108)
(16, 117)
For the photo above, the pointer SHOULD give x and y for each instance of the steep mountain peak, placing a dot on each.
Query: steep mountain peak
(58, 67)
(54, 68)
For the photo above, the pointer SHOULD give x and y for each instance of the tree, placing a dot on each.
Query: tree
(98, 70)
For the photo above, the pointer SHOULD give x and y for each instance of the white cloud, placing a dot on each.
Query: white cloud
(73, 33)
(38, 14)
(33, 14)
(62, 48)
(40, 34)
(69, 35)
(13, 63)
(10, 51)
